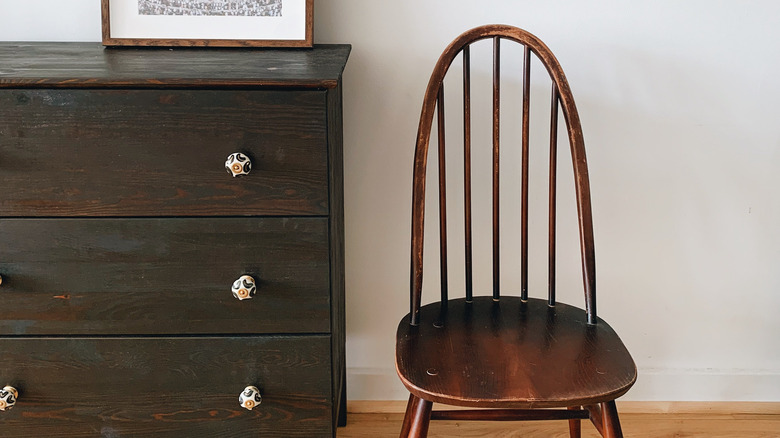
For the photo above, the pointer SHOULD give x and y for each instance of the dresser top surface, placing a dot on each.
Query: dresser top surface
(74, 65)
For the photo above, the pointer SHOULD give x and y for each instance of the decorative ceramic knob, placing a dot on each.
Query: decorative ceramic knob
(238, 164)
(8, 396)
(250, 398)
(244, 288)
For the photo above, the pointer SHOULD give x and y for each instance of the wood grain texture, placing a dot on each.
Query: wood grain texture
(74, 65)
(163, 276)
(610, 420)
(417, 419)
(160, 153)
(539, 356)
(337, 252)
(117, 218)
(166, 387)
(635, 425)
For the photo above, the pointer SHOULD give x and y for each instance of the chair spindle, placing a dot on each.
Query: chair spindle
(496, 116)
(467, 169)
(442, 196)
(553, 194)
(524, 202)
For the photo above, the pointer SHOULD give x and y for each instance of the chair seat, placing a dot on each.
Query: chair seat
(511, 354)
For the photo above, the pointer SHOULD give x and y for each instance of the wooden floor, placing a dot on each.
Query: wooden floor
(715, 424)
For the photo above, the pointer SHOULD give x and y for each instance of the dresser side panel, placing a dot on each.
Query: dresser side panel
(338, 298)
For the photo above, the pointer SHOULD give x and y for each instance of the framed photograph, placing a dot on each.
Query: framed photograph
(217, 23)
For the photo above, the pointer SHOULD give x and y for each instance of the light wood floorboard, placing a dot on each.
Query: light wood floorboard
(652, 425)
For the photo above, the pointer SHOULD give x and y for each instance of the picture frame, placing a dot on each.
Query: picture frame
(208, 23)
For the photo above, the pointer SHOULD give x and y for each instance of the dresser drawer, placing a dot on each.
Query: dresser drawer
(66, 152)
(167, 387)
(163, 276)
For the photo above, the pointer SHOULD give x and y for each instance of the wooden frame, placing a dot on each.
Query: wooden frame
(250, 27)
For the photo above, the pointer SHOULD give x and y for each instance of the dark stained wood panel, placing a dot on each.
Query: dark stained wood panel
(337, 276)
(89, 65)
(167, 387)
(161, 152)
(163, 276)
(535, 356)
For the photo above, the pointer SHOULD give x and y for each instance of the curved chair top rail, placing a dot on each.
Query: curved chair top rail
(564, 96)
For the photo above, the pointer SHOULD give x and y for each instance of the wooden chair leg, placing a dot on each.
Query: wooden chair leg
(575, 427)
(610, 421)
(595, 417)
(417, 418)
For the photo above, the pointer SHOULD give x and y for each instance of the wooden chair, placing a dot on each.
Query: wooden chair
(519, 357)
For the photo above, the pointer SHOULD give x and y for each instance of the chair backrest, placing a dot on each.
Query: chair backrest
(433, 104)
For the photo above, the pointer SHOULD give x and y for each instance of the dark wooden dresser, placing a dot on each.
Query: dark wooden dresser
(122, 232)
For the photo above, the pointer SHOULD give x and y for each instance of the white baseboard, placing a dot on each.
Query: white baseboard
(624, 407)
(706, 385)
(653, 385)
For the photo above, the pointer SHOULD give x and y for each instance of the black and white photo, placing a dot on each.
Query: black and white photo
(230, 8)
(208, 23)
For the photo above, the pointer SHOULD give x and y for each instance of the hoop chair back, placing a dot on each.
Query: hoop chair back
(433, 105)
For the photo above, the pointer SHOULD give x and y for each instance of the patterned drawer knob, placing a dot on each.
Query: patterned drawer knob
(8, 396)
(238, 164)
(250, 398)
(244, 288)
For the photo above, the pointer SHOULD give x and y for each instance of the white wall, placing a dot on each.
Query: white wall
(678, 101)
